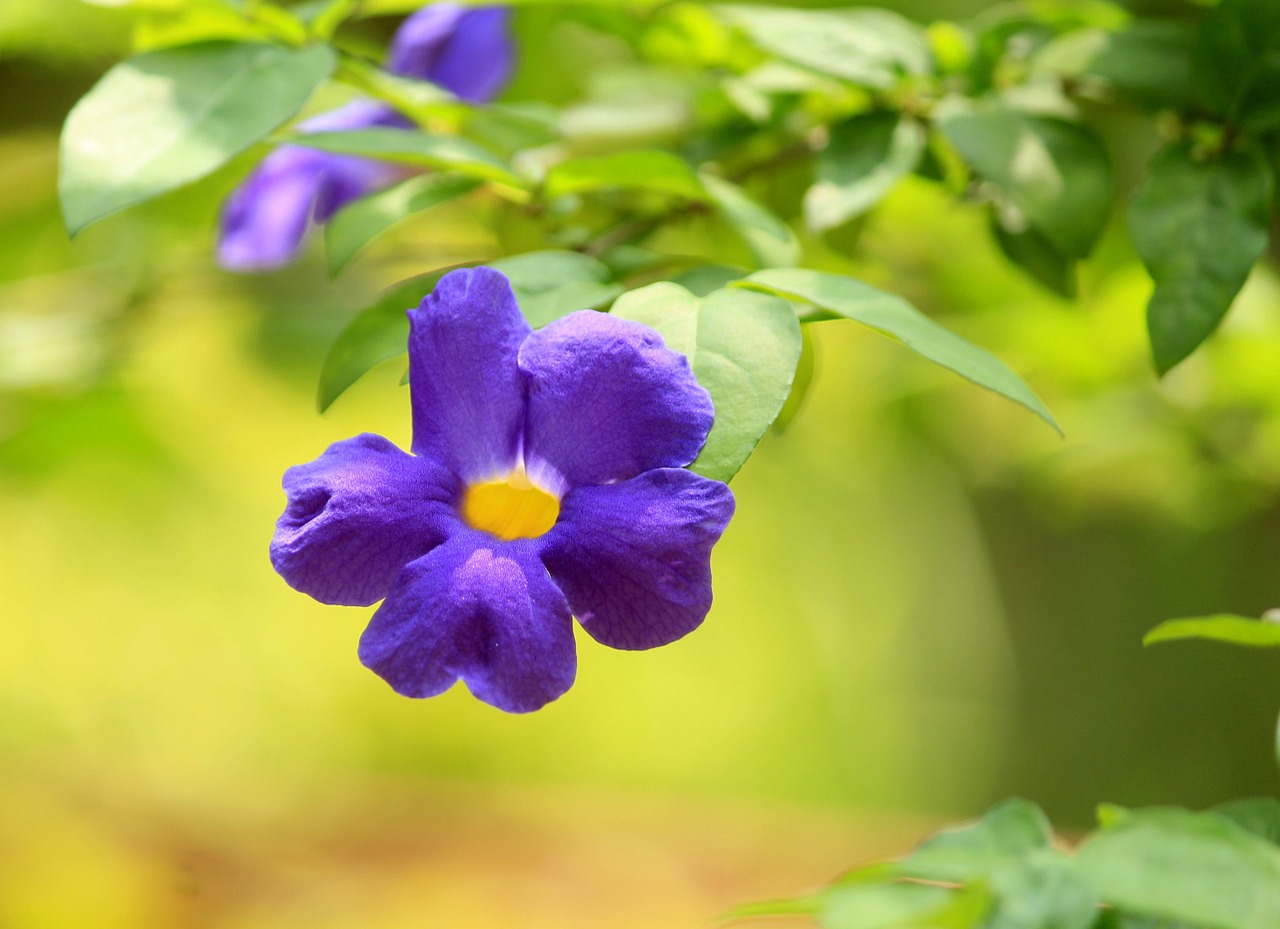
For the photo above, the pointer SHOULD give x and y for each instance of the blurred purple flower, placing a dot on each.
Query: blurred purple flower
(467, 51)
(546, 480)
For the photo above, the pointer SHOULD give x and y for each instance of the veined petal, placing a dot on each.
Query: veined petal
(480, 610)
(608, 400)
(634, 558)
(466, 51)
(356, 516)
(468, 395)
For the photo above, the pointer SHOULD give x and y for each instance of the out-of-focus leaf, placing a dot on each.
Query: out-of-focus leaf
(892, 316)
(1236, 630)
(548, 305)
(407, 146)
(1199, 227)
(1198, 867)
(1259, 815)
(1237, 62)
(1147, 62)
(771, 240)
(901, 906)
(870, 47)
(1055, 173)
(1036, 255)
(165, 118)
(703, 279)
(646, 169)
(865, 157)
(1012, 830)
(358, 224)
(743, 347)
(538, 272)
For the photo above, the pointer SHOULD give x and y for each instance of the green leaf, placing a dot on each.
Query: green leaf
(800, 385)
(548, 305)
(1236, 630)
(1237, 62)
(1010, 831)
(864, 158)
(1055, 173)
(743, 347)
(901, 906)
(1199, 227)
(1258, 815)
(1036, 255)
(1045, 890)
(869, 47)
(771, 240)
(1177, 864)
(643, 169)
(165, 118)
(538, 272)
(375, 334)
(892, 316)
(407, 146)
(358, 224)
(1148, 62)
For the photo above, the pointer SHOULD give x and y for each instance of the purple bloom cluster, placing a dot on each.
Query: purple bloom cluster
(467, 51)
(546, 481)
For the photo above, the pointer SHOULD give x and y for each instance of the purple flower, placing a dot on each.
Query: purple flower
(465, 50)
(546, 480)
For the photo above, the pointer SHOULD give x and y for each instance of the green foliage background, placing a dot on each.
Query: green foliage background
(926, 602)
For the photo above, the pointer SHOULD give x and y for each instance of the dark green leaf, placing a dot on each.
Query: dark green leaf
(870, 47)
(1259, 815)
(892, 316)
(357, 225)
(1237, 62)
(744, 348)
(1010, 831)
(407, 146)
(165, 118)
(643, 169)
(1177, 864)
(864, 158)
(1036, 255)
(769, 238)
(1237, 630)
(1148, 62)
(1055, 173)
(1199, 227)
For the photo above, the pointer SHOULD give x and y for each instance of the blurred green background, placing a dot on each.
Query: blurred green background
(927, 601)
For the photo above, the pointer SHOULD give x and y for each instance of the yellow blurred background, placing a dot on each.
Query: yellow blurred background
(926, 600)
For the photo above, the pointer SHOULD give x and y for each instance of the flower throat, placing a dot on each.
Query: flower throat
(512, 507)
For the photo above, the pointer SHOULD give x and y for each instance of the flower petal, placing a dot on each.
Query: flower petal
(480, 610)
(466, 51)
(468, 395)
(356, 516)
(265, 220)
(634, 558)
(608, 400)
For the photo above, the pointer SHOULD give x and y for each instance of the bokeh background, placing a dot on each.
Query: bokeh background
(926, 602)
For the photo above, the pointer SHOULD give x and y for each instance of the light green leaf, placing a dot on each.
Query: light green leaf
(743, 347)
(769, 238)
(358, 224)
(892, 316)
(901, 906)
(1236, 630)
(163, 119)
(1055, 173)
(1010, 831)
(865, 157)
(800, 385)
(1197, 867)
(1258, 815)
(537, 272)
(1199, 227)
(407, 146)
(548, 305)
(870, 47)
(651, 170)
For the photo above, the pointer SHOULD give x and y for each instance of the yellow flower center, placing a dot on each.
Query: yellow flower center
(510, 508)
